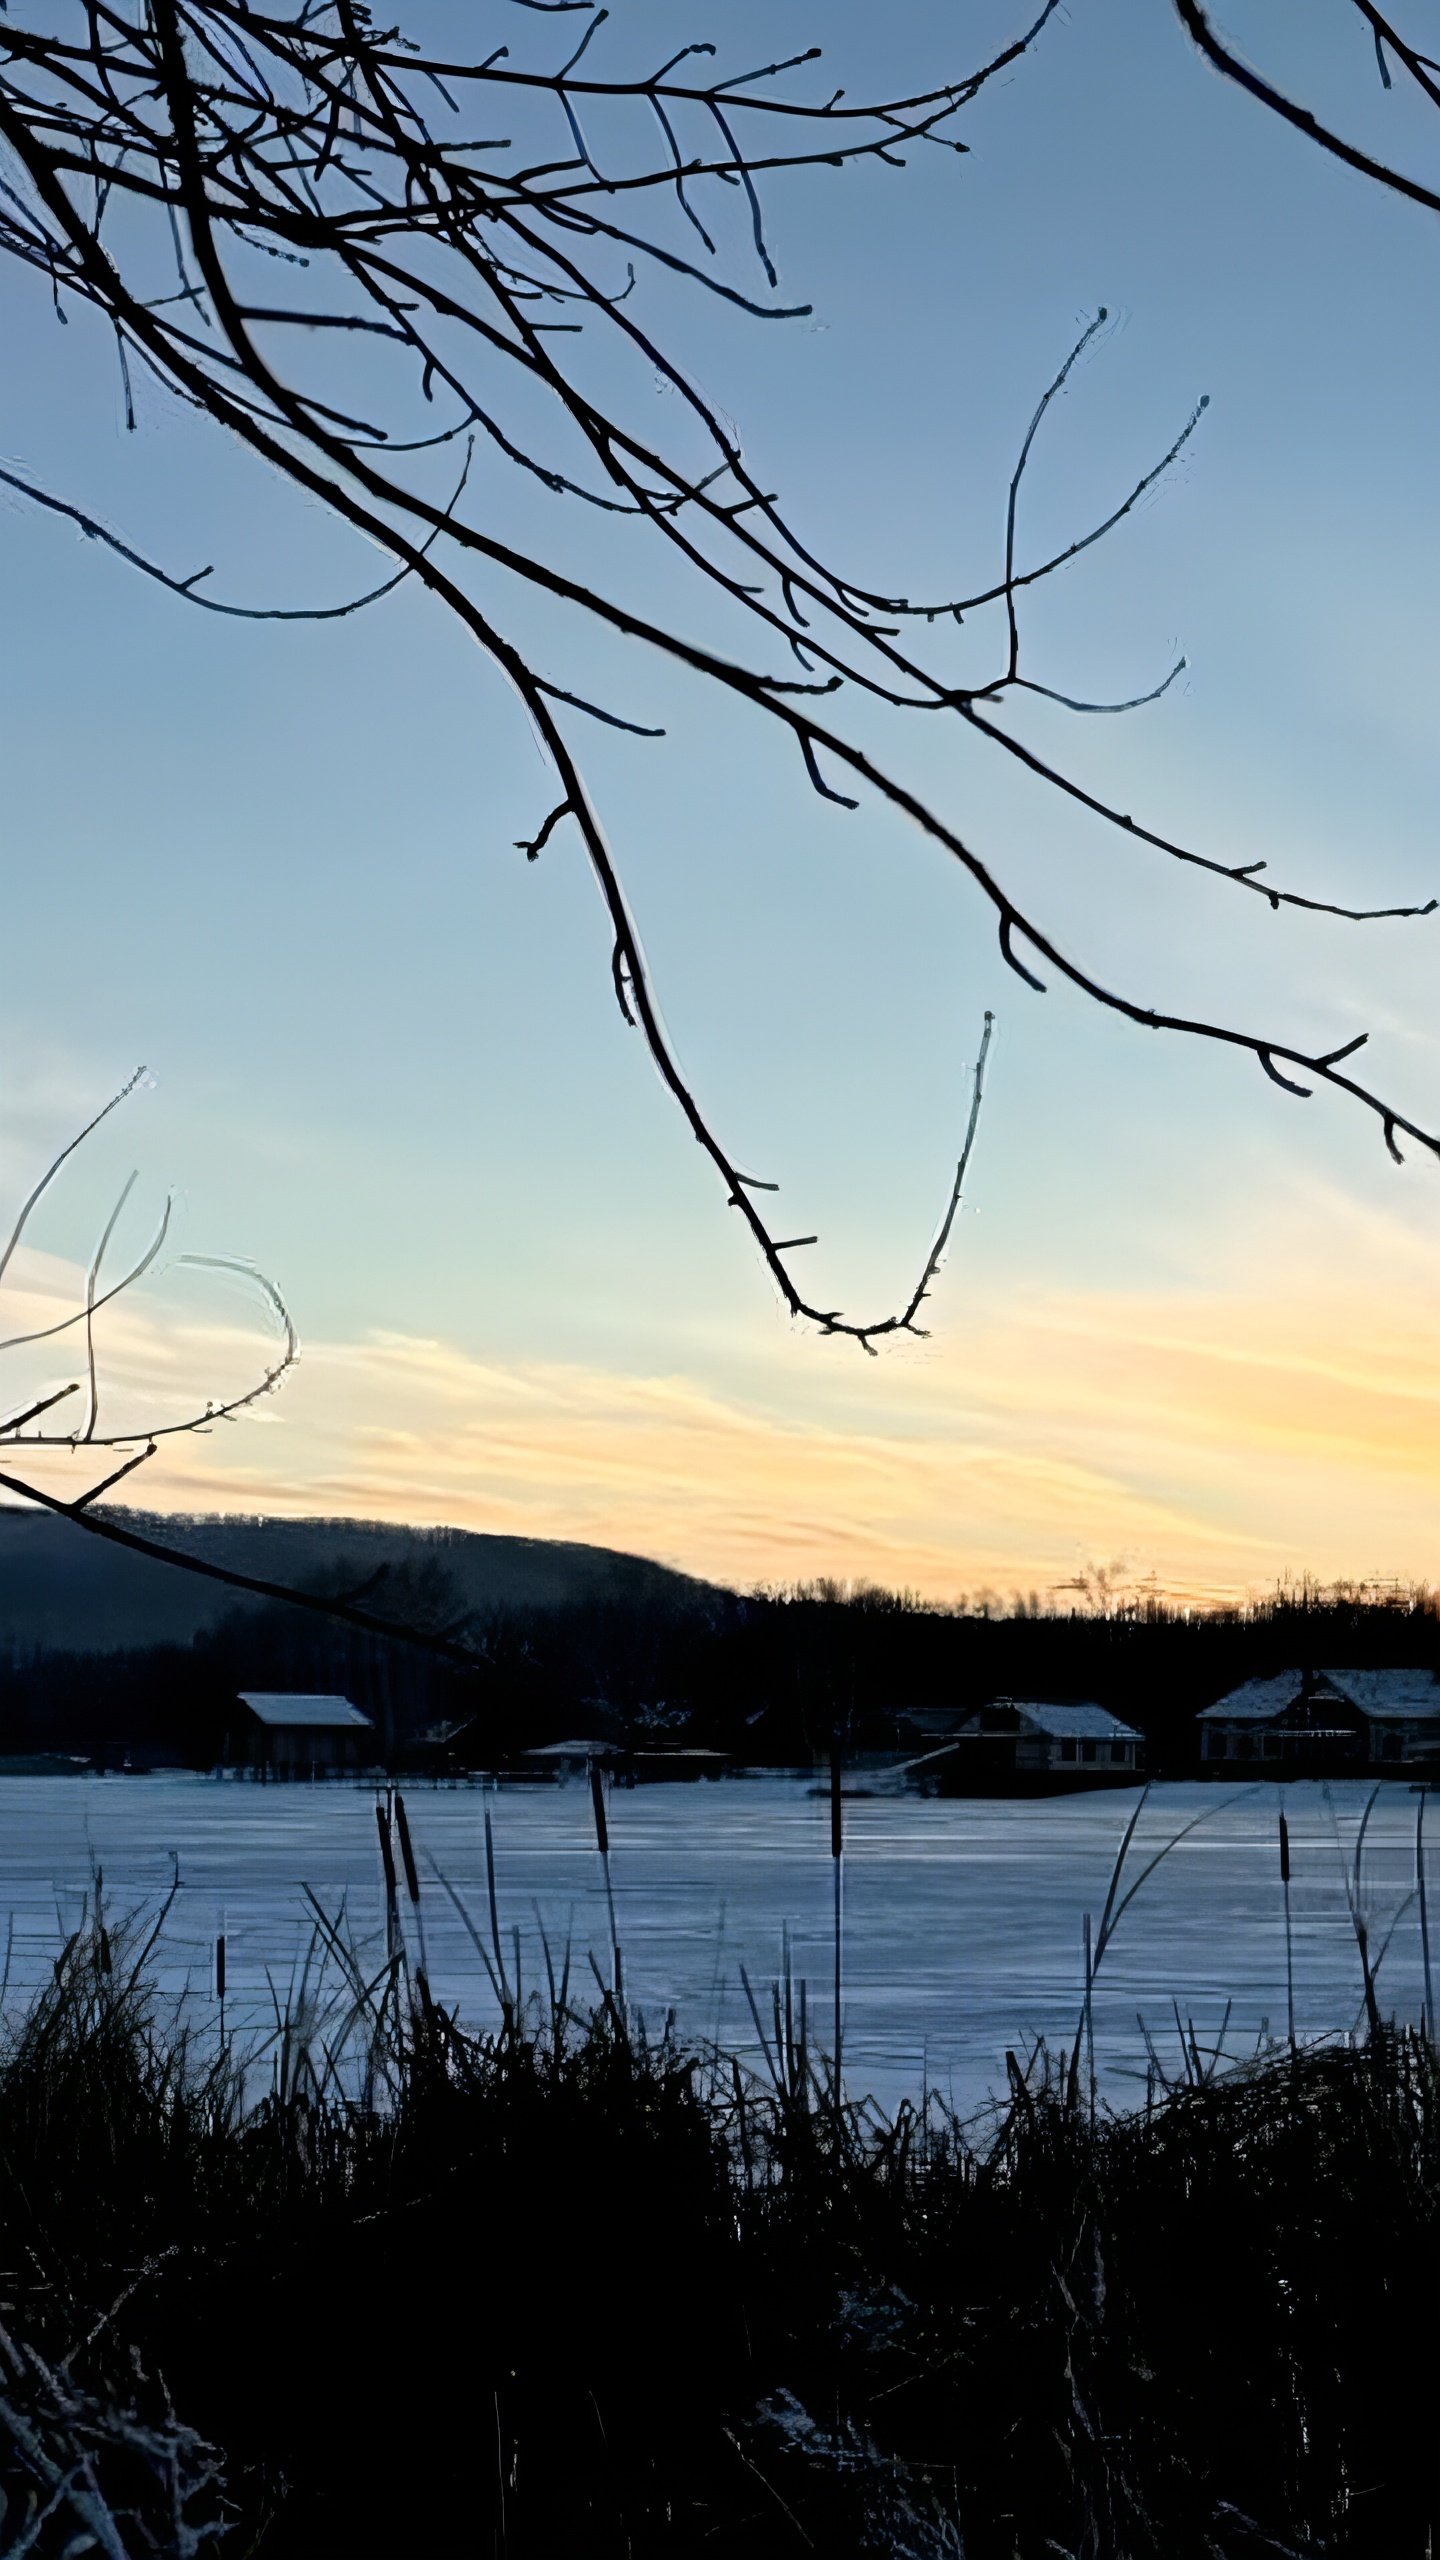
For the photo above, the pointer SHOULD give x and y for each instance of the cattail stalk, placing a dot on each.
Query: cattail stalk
(387, 1868)
(412, 1887)
(502, 1979)
(837, 1862)
(407, 1854)
(602, 1842)
(1424, 1916)
(1289, 1940)
(1361, 1925)
(1090, 2013)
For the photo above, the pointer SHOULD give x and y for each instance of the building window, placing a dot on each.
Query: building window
(1120, 1752)
(1067, 1750)
(1087, 1750)
(1244, 1746)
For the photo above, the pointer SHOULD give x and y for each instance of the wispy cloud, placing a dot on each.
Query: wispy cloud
(1214, 1435)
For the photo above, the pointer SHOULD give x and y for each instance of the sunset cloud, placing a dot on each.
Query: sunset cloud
(1213, 1437)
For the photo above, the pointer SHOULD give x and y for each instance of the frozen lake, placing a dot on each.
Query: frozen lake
(963, 1921)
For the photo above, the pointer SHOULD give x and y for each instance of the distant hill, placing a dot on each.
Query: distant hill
(62, 1590)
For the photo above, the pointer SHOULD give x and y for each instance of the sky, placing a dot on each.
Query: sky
(1187, 1326)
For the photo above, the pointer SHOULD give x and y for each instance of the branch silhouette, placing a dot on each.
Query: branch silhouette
(37, 1424)
(1393, 51)
(371, 253)
(44, 1425)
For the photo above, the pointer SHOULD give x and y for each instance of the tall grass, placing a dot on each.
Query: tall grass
(568, 2288)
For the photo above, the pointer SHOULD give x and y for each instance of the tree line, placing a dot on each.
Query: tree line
(771, 1677)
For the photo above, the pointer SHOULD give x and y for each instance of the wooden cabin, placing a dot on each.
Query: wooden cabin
(1022, 1745)
(282, 1733)
(1318, 1724)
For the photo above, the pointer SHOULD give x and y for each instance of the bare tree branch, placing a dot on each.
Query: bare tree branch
(18, 1431)
(31, 1435)
(435, 236)
(1423, 71)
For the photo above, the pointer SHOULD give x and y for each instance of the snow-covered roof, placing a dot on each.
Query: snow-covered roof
(1391, 1693)
(293, 1707)
(1256, 1701)
(1077, 1724)
(1399, 1695)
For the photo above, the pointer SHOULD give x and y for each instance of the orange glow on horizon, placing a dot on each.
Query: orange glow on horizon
(1216, 1439)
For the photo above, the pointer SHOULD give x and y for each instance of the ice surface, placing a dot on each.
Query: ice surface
(963, 1921)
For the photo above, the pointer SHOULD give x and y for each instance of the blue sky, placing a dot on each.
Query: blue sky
(279, 866)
